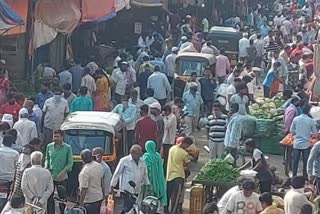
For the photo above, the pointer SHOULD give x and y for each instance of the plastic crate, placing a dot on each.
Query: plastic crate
(270, 145)
(197, 200)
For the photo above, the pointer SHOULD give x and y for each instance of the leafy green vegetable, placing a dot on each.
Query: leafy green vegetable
(218, 171)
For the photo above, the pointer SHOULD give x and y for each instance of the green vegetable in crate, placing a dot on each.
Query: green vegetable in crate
(218, 171)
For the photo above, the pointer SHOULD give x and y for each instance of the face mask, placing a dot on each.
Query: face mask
(57, 98)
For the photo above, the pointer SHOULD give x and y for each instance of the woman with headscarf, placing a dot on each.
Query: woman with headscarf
(155, 171)
(102, 98)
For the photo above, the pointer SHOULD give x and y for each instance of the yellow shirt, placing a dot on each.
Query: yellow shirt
(176, 159)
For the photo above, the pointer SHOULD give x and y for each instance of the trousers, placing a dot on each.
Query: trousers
(295, 160)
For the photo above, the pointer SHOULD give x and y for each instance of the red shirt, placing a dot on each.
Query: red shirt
(146, 129)
(11, 109)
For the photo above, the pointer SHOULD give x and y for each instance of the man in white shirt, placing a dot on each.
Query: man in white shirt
(205, 27)
(295, 198)
(54, 111)
(170, 64)
(160, 85)
(277, 21)
(226, 196)
(88, 81)
(170, 127)
(209, 48)
(245, 200)
(288, 26)
(37, 182)
(185, 42)
(130, 168)
(97, 154)
(26, 127)
(231, 90)
(150, 99)
(119, 78)
(90, 183)
(8, 159)
(244, 43)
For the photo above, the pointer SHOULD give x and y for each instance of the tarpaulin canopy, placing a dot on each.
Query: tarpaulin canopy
(20, 8)
(8, 17)
(97, 10)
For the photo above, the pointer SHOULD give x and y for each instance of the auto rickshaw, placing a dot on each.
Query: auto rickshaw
(187, 63)
(227, 38)
(91, 129)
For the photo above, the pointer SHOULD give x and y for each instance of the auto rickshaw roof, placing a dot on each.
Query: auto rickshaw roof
(184, 55)
(94, 120)
(223, 29)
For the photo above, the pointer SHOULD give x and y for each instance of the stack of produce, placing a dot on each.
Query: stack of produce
(266, 108)
(218, 171)
(269, 117)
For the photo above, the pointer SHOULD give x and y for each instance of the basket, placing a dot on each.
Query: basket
(270, 145)
(197, 200)
(248, 126)
(265, 127)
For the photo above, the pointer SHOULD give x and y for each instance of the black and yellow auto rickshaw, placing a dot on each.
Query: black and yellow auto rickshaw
(91, 129)
(186, 64)
(227, 38)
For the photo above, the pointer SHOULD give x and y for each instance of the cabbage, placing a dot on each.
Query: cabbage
(255, 106)
(273, 111)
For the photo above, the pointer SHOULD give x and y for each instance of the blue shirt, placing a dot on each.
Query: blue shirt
(41, 98)
(160, 84)
(159, 62)
(233, 132)
(127, 114)
(34, 117)
(207, 88)
(313, 166)
(269, 78)
(302, 128)
(76, 72)
(192, 103)
(264, 30)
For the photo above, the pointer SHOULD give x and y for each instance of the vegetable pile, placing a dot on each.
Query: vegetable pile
(266, 108)
(218, 171)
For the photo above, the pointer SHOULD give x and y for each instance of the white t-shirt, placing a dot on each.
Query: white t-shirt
(256, 154)
(55, 111)
(240, 204)
(90, 177)
(225, 198)
(205, 25)
(231, 90)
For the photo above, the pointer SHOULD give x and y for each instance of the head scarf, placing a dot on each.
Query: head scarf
(155, 171)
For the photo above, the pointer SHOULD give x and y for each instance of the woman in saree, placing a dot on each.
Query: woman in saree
(154, 164)
(101, 99)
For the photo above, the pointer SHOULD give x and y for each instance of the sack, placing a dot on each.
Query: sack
(265, 127)
(248, 126)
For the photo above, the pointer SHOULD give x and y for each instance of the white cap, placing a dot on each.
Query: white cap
(155, 105)
(183, 38)
(193, 85)
(175, 49)
(8, 118)
(23, 111)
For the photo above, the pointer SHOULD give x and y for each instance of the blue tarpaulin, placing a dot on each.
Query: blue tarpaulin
(8, 17)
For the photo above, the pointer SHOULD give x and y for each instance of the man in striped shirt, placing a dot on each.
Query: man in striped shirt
(216, 131)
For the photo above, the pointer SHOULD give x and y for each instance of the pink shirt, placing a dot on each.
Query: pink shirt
(222, 66)
(289, 115)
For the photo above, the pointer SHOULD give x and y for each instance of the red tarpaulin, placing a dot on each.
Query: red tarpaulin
(21, 8)
(96, 9)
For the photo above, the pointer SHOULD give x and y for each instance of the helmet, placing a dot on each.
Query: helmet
(150, 205)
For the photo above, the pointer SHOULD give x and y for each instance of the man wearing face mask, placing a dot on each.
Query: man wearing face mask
(54, 111)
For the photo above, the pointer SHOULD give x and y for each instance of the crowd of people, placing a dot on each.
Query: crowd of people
(276, 57)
